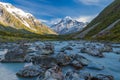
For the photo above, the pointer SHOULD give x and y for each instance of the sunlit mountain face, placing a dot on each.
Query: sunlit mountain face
(16, 18)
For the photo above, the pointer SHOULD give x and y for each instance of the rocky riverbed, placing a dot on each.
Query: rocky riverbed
(63, 60)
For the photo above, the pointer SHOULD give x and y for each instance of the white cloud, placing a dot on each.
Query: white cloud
(90, 2)
(50, 22)
(43, 21)
(54, 21)
(94, 2)
(85, 18)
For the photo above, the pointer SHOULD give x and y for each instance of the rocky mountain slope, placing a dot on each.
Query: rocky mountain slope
(106, 26)
(14, 19)
(68, 25)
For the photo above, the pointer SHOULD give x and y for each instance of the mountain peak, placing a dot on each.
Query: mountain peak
(68, 25)
(67, 17)
(11, 9)
(19, 19)
(3, 3)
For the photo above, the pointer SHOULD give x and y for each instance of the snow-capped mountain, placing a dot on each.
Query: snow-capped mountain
(68, 25)
(18, 19)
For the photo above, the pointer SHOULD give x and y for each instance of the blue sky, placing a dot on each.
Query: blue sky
(52, 10)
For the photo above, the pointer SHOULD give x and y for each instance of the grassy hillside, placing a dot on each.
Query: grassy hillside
(11, 34)
(113, 35)
(109, 15)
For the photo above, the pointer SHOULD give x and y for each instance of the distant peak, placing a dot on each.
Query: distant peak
(67, 17)
(68, 25)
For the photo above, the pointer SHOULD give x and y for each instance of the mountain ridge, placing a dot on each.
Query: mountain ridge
(68, 25)
(18, 19)
(106, 18)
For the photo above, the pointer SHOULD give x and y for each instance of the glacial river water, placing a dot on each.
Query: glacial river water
(8, 71)
(111, 63)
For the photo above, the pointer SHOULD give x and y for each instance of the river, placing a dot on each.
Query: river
(111, 63)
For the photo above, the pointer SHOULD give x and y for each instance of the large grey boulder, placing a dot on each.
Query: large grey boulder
(96, 49)
(63, 59)
(44, 61)
(84, 61)
(75, 75)
(66, 48)
(54, 73)
(79, 61)
(107, 48)
(47, 49)
(92, 51)
(30, 71)
(74, 60)
(16, 54)
(72, 75)
(103, 77)
(76, 64)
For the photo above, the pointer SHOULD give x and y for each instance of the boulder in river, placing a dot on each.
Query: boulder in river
(66, 48)
(79, 61)
(75, 60)
(54, 73)
(76, 75)
(96, 49)
(76, 64)
(30, 71)
(102, 77)
(47, 49)
(63, 59)
(107, 48)
(93, 49)
(16, 54)
(44, 61)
